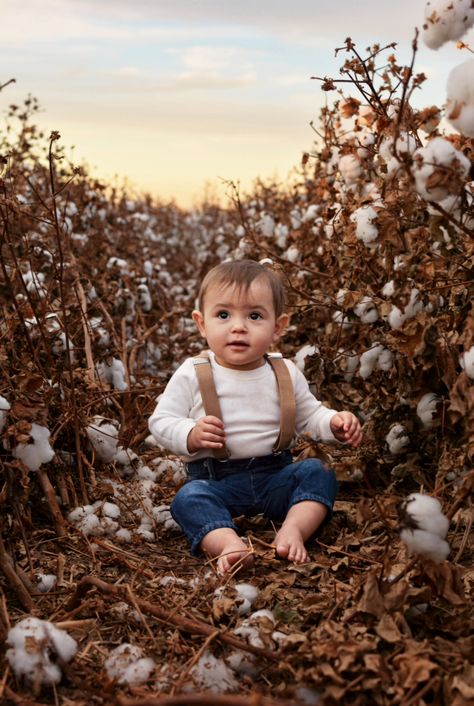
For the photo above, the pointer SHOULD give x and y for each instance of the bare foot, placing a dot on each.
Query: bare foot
(301, 521)
(231, 551)
(289, 544)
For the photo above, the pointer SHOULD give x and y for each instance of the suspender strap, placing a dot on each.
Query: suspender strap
(210, 401)
(287, 401)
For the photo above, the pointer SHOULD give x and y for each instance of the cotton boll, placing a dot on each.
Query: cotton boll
(103, 435)
(127, 665)
(292, 254)
(281, 235)
(368, 360)
(123, 535)
(144, 298)
(438, 169)
(263, 614)
(466, 360)
(364, 218)
(302, 354)
(37, 452)
(111, 510)
(446, 20)
(388, 290)
(90, 525)
(366, 311)
(311, 213)
(397, 439)
(4, 407)
(426, 409)
(243, 663)
(249, 633)
(396, 318)
(212, 674)
(350, 169)
(266, 225)
(424, 512)
(37, 649)
(460, 97)
(108, 525)
(247, 591)
(426, 544)
(145, 533)
(46, 582)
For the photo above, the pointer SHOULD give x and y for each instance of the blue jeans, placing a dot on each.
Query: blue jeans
(216, 491)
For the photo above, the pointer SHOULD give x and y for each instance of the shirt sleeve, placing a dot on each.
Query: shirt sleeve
(170, 422)
(312, 416)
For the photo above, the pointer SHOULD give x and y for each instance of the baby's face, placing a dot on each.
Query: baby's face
(240, 326)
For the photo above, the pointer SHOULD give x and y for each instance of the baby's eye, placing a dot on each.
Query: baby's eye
(255, 316)
(223, 315)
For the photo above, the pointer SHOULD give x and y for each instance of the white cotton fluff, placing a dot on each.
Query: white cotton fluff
(366, 310)
(90, 526)
(144, 297)
(119, 264)
(127, 461)
(37, 452)
(111, 510)
(112, 372)
(46, 582)
(397, 318)
(243, 663)
(162, 516)
(37, 649)
(103, 435)
(266, 225)
(376, 357)
(350, 169)
(127, 665)
(4, 407)
(247, 592)
(302, 354)
(425, 512)
(388, 290)
(311, 212)
(460, 97)
(425, 543)
(123, 535)
(292, 254)
(397, 439)
(211, 674)
(466, 361)
(364, 218)
(426, 409)
(446, 20)
(438, 155)
(281, 235)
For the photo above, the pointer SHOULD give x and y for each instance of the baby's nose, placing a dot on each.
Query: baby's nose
(238, 323)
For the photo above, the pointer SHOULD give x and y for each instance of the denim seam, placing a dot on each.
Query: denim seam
(205, 530)
(314, 498)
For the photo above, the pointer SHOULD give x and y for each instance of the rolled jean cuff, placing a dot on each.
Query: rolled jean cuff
(315, 498)
(196, 541)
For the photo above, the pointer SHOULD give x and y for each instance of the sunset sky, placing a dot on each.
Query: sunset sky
(177, 94)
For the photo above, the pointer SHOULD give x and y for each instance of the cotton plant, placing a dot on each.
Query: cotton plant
(425, 527)
(366, 310)
(242, 596)
(38, 650)
(211, 674)
(396, 317)
(446, 20)
(350, 169)
(126, 664)
(439, 169)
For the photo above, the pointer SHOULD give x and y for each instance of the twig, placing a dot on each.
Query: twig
(6, 566)
(50, 495)
(188, 625)
(206, 699)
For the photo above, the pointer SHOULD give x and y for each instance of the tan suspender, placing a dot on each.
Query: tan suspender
(210, 401)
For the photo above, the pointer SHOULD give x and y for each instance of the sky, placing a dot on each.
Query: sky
(181, 97)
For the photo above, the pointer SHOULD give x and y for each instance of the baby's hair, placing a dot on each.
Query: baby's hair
(242, 273)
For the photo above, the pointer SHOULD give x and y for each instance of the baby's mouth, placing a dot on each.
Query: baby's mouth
(238, 344)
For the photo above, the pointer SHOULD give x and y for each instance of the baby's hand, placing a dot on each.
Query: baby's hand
(208, 433)
(346, 428)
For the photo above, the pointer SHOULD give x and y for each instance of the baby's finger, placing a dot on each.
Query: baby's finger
(214, 421)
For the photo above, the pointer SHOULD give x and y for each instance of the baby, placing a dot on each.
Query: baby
(241, 315)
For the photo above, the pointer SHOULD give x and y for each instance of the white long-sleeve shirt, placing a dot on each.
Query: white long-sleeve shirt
(250, 409)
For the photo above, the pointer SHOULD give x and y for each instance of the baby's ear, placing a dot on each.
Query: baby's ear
(198, 319)
(280, 326)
